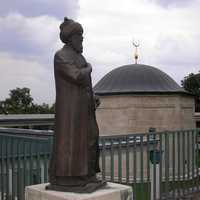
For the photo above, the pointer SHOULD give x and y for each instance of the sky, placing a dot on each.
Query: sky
(168, 32)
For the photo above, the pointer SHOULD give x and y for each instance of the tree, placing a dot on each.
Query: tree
(191, 83)
(21, 102)
(43, 109)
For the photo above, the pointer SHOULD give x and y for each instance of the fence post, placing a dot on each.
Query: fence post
(155, 156)
(155, 181)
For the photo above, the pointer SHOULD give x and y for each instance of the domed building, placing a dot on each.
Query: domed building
(136, 97)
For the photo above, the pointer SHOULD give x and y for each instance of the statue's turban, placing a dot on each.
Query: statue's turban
(68, 28)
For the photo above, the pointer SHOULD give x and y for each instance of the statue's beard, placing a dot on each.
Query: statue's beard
(78, 48)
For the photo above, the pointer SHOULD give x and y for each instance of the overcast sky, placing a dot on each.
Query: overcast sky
(168, 31)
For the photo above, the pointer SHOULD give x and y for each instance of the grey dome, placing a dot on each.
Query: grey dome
(136, 78)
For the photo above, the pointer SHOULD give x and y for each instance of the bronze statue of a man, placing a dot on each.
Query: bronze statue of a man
(75, 157)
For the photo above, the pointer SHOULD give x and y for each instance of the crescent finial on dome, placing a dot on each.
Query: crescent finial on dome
(136, 44)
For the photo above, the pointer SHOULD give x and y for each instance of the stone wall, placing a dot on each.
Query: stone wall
(122, 114)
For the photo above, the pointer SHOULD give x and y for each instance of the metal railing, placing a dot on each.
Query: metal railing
(158, 165)
(24, 157)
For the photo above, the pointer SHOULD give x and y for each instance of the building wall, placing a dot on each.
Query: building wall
(124, 114)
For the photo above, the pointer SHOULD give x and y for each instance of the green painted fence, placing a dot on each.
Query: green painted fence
(133, 159)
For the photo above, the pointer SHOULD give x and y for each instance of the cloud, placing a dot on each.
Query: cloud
(174, 3)
(26, 73)
(29, 36)
(176, 52)
(27, 48)
(179, 57)
(168, 37)
(34, 8)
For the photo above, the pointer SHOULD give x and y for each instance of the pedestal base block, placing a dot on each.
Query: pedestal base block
(111, 191)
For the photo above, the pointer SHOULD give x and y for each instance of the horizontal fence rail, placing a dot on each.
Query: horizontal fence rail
(43, 121)
(28, 120)
(158, 165)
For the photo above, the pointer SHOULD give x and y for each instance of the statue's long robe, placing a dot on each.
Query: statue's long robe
(75, 149)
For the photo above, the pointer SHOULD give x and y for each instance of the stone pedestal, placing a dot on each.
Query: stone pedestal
(111, 191)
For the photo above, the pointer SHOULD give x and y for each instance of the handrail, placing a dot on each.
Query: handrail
(123, 136)
(25, 132)
(39, 119)
(26, 119)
